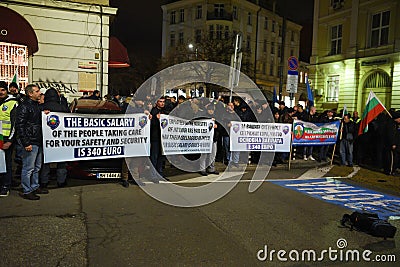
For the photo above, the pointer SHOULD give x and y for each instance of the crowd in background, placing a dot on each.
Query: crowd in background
(21, 116)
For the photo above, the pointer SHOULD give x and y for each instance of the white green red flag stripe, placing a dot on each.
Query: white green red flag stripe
(372, 109)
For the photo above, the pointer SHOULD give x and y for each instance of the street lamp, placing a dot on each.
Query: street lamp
(191, 46)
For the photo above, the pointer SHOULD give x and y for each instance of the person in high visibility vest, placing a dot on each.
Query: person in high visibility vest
(8, 105)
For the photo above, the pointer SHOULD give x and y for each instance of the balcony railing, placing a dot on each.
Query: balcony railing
(219, 16)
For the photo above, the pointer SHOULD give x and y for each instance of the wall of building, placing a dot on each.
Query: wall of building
(69, 43)
(257, 58)
(358, 60)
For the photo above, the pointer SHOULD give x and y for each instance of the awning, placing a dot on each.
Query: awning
(15, 29)
(118, 56)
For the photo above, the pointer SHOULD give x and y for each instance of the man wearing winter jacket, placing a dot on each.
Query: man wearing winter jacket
(29, 130)
(53, 103)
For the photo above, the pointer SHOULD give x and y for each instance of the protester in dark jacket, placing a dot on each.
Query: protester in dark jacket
(29, 130)
(52, 103)
(391, 144)
(347, 135)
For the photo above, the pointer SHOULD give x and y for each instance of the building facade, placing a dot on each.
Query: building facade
(60, 44)
(356, 49)
(268, 39)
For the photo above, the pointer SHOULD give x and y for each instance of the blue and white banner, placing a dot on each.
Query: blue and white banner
(70, 137)
(251, 136)
(180, 136)
(349, 196)
(308, 133)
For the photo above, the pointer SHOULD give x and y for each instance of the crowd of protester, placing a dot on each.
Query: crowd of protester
(21, 117)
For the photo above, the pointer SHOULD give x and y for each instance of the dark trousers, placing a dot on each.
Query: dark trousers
(156, 157)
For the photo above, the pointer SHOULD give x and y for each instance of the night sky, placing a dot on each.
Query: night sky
(138, 24)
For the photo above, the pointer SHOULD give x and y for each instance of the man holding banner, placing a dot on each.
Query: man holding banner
(348, 134)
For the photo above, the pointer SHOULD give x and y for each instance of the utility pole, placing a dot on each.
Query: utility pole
(236, 62)
(282, 55)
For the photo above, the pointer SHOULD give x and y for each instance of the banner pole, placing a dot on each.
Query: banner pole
(290, 155)
(333, 153)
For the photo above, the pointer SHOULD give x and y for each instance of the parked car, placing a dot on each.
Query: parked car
(99, 168)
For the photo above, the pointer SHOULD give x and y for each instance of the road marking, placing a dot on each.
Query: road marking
(347, 195)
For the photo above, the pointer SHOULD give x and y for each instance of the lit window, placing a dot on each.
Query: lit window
(332, 94)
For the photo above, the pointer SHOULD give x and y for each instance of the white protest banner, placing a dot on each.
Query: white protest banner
(251, 136)
(2, 154)
(180, 136)
(69, 137)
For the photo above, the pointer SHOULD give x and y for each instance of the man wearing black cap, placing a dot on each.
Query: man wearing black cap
(392, 144)
(8, 106)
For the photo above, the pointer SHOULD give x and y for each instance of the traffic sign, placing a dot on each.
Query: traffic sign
(293, 63)
(292, 81)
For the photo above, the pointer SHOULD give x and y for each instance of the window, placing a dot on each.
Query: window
(292, 36)
(181, 15)
(181, 39)
(272, 47)
(336, 40)
(332, 94)
(211, 31)
(199, 12)
(291, 52)
(235, 12)
(279, 50)
(173, 17)
(380, 29)
(219, 31)
(172, 40)
(266, 23)
(265, 46)
(226, 32)
(336, 4)
(271, 67)
(273, 26)
(198, 35)
(264, 68)
(280, 31)
(248, 43)
(249, 18)
(219, 10)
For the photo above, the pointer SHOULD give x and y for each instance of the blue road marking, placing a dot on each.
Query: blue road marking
(346, 195)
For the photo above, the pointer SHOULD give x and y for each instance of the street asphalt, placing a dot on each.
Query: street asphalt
(92, 223)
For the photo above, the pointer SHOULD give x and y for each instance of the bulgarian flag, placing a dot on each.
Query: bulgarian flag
(372, 109)
(15, 77)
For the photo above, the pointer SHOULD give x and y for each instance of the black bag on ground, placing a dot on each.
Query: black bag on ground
(369, 223)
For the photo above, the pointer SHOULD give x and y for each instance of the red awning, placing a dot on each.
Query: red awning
(118, 56)
(15, 29)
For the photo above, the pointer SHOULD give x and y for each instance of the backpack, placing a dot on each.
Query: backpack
(369, 223)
